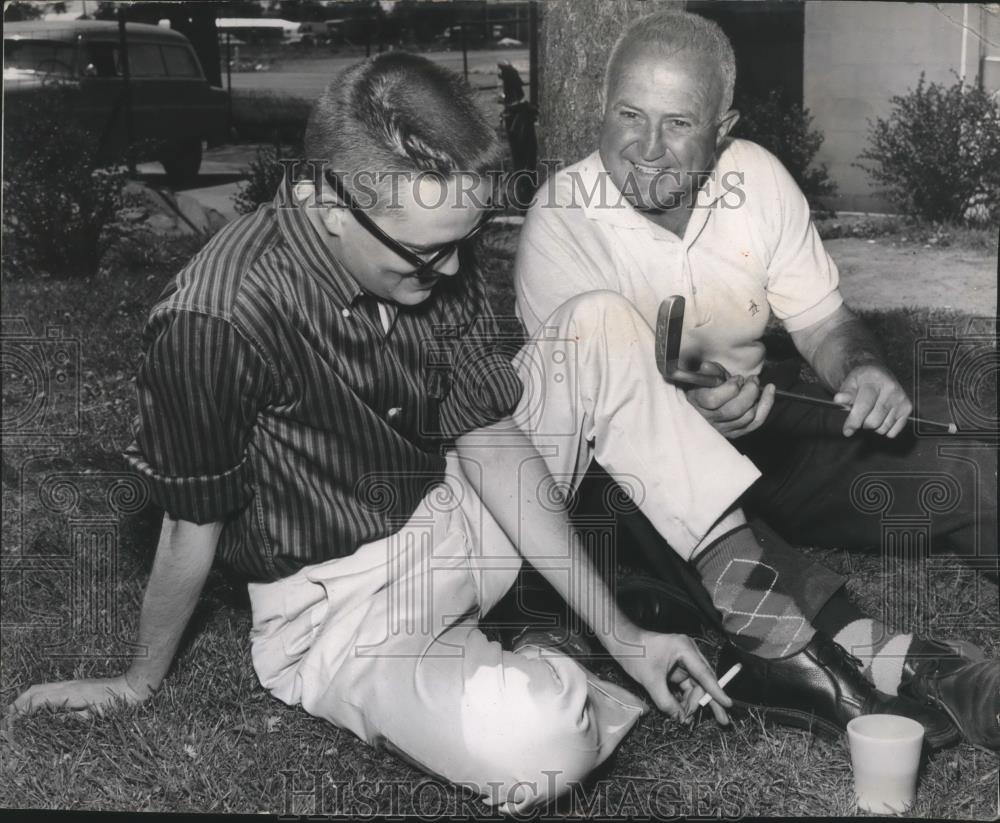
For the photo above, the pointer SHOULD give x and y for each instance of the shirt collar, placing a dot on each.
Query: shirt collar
(610, 207)
(607, 204)
(309, 250)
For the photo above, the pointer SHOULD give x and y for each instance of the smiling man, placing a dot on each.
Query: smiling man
(671, 204)
(649, 100)
(322, 409)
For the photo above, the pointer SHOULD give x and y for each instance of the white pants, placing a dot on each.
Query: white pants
(385, 642)
(592, 392)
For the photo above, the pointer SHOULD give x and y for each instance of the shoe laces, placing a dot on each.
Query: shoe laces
(846, 655)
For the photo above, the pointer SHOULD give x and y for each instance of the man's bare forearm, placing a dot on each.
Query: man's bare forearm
(510, 487)
(183, 560)
(838, 345)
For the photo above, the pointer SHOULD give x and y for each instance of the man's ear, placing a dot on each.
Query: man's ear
(726, 124)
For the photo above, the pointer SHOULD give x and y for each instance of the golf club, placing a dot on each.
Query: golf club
(669, 328)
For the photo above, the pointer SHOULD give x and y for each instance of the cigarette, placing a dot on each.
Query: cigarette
(735, 670)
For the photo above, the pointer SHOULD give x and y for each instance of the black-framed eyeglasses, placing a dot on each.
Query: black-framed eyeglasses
(422, 265)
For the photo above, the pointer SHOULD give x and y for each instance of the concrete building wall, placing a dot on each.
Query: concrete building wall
(859, 54)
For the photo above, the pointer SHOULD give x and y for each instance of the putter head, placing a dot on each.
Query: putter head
(669, 327)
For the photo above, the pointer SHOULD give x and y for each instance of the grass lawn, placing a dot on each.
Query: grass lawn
(213, 740)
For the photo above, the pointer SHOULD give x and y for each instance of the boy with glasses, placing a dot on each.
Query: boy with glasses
(324, 408)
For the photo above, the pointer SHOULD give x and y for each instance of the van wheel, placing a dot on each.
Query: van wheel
(181, 161)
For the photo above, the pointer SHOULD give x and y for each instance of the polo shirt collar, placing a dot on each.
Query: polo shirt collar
(615, 210)
(309, 250)
(608, 205)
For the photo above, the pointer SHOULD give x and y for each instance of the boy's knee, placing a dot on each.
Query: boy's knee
(539, 739)
(550, 760)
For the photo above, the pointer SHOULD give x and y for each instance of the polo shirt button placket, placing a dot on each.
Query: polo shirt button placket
(345, 313)
(701, 313)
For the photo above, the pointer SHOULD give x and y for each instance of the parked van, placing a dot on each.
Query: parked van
(174, 109)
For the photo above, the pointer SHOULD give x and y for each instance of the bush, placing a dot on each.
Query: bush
(264, 174)
(938, 153)
(148, 252)
(60, 204)
(266, 117)
(865, 228)
(277, 119)
(785, 129)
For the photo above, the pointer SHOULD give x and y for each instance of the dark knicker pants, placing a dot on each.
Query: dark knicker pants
(913, 497)
(936, 492)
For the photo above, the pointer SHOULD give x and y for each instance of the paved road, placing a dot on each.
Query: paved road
(308, 78)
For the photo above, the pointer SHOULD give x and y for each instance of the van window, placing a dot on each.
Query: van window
(180, 62)
(144, 60)
(104, 60)
(42, 56)
(101, 60)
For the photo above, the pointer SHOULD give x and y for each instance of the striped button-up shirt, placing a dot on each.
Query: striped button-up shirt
(272, 398)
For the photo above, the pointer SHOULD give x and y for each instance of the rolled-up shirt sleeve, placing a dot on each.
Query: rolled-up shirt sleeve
(484, 386)
(200, 385)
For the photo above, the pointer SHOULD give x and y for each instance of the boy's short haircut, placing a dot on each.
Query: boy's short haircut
(399, 113)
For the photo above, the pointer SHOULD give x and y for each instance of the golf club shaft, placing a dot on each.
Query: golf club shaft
(819, 401)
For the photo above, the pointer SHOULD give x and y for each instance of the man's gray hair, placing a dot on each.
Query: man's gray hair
(671, 32)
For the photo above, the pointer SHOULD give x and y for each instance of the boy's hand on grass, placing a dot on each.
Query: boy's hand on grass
(675, 659)
(82, 696)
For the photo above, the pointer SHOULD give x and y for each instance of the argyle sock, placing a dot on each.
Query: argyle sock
(839, 611)
(759, 615)
(880, 651)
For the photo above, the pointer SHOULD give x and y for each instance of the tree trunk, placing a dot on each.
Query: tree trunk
(576, 40)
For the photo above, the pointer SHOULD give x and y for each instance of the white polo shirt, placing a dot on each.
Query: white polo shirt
(749, 249)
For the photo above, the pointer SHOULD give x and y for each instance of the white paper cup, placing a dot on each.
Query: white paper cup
(885, 756)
